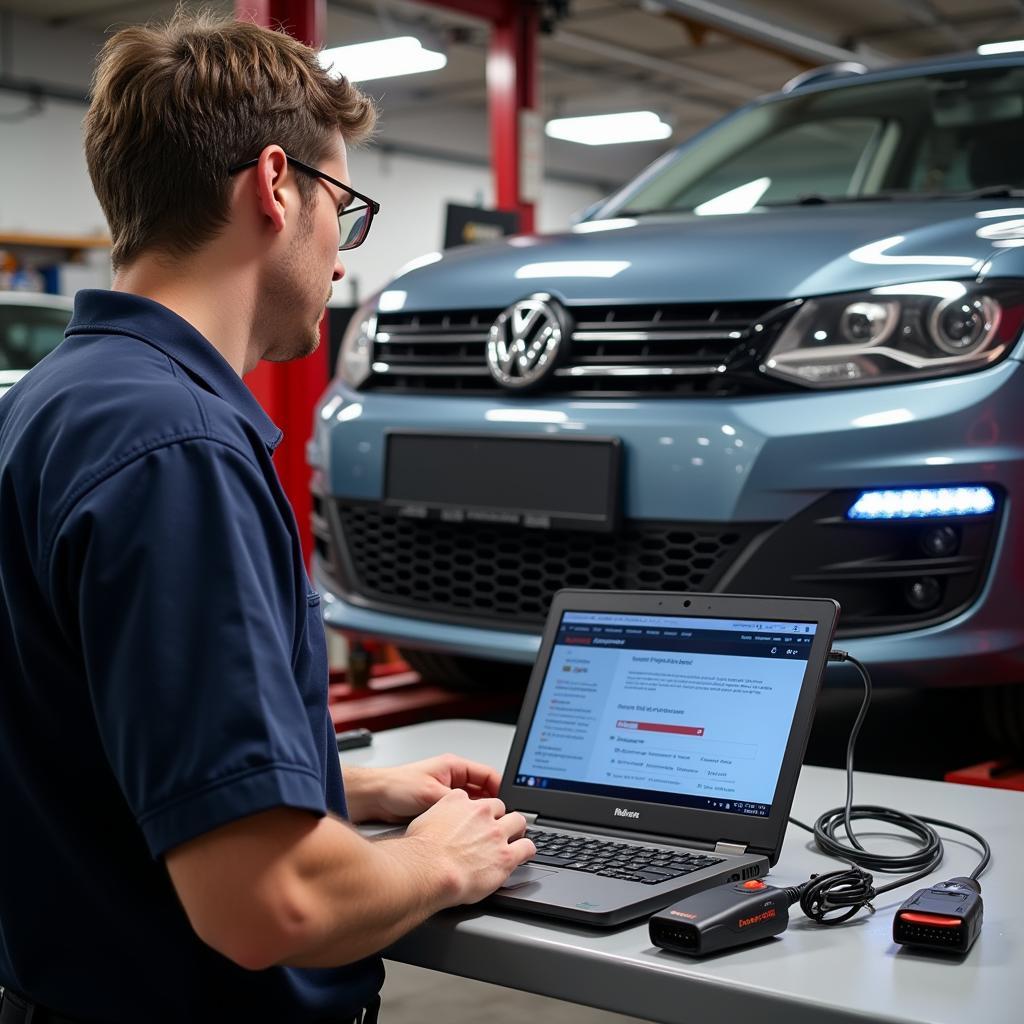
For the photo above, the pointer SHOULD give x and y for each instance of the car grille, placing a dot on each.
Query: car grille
(507, 575)
(882, 573)
(699, 348)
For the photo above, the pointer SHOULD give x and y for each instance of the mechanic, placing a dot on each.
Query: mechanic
(176, 840)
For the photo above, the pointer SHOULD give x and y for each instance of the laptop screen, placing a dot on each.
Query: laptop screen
(687, 711)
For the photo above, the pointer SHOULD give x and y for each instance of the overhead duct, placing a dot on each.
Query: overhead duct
(657, 65)
(736, 22)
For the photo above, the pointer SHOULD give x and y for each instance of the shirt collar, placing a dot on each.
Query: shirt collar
(109, 312)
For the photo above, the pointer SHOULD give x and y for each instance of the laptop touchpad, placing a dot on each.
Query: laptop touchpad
(524, 874)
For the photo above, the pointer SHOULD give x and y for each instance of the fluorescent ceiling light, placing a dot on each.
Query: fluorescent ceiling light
(741, 199)
(383, 58)
(1010, 46)
(608, 129)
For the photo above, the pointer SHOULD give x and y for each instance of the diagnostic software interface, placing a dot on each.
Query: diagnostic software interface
(694, 712)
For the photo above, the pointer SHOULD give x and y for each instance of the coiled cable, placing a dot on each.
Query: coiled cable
(835, 897)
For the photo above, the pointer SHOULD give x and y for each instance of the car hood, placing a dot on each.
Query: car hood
(764, 255)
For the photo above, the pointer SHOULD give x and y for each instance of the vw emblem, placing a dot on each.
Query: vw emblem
(524, 342)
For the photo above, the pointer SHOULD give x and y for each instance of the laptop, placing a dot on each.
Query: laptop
(658, 747)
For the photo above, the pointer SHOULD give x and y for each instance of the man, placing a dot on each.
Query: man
(174, 844)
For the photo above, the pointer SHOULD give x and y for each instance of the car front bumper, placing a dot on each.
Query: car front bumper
(737, 462)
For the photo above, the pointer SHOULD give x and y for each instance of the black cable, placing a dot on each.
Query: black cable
(843, 893)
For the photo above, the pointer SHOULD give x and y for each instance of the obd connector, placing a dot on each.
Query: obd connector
(945, 917)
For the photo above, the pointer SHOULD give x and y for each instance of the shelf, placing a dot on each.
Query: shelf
(65, 242)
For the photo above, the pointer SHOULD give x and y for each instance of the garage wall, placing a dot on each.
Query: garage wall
(45, 188)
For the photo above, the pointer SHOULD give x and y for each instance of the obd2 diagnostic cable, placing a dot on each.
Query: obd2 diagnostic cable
(947, 916)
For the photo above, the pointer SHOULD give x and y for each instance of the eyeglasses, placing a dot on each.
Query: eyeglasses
(353, 221)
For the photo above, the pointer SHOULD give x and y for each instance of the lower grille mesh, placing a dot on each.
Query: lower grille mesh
(510, 573)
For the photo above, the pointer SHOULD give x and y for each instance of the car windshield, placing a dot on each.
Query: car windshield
(948, 134)
(27, 333)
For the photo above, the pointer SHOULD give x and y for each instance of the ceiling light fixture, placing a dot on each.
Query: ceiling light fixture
(609, 129)
(382, 58)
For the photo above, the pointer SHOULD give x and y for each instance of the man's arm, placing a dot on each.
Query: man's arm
(284, 887)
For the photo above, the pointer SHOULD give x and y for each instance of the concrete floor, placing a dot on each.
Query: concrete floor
(412, 995)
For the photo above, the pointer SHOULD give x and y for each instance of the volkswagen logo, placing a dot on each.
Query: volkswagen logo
(524, 341)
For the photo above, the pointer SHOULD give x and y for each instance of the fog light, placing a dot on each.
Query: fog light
(923, 503)
(923, 594)
(940, 541)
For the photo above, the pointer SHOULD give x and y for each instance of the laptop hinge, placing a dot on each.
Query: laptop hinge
(736, 849)
(530, 816)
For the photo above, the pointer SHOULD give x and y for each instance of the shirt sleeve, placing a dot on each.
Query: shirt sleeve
(182, 590)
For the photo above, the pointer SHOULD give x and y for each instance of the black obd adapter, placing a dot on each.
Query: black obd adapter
(720, 918)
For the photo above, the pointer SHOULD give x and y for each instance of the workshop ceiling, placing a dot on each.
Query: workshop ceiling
(690, 62)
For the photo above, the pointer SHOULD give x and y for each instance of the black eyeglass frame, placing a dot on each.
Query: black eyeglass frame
(370, 204)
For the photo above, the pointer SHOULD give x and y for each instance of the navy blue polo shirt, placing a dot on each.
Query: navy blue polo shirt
(162, 671)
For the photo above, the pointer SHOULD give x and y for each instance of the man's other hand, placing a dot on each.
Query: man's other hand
(401, 793)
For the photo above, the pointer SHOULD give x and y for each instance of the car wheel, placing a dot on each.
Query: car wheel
(468, 674)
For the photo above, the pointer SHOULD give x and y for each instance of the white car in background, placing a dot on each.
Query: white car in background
(31, 326)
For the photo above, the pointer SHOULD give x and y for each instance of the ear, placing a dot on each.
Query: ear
(274, 199)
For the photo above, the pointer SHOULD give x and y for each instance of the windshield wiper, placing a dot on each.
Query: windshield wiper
(653, 213)
(988, 192)
(810, 199)
(820, 199)
(817, 199)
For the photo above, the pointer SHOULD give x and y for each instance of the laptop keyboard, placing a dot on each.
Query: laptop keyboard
(625, 861)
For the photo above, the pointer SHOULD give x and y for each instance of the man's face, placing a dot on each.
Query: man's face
(299, 284)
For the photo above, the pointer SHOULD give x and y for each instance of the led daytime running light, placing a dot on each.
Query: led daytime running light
(923, 503)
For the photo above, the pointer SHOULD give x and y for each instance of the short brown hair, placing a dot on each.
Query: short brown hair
(174, 106)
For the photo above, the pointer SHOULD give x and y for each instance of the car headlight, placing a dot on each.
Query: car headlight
(898, 333)
(355, 358)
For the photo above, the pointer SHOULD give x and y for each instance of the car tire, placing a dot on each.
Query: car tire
(469, 675)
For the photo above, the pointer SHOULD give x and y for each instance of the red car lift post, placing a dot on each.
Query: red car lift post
(288, 392)
(511, 92)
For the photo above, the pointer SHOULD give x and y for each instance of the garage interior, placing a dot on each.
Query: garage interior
(461, 158)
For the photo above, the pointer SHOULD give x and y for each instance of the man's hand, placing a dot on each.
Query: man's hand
(399, 794)
(476, 844)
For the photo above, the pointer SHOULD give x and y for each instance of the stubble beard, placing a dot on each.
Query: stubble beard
(286, 294)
